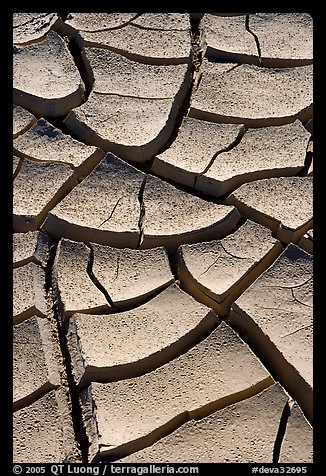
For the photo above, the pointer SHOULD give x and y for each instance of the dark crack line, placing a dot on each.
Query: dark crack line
(281, 432)
(231, 146)
(117, 268)
(113, 210)
(141, 221)
(130, 96)
(298, 300)
(102, 30)
(19, 166)
(297, 330)
(210, 266)
(72, 391)
(288, 287)
(230, 254)
(96, 282)
(255, 37)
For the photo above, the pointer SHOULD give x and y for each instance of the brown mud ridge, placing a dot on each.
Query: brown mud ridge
(163, 237)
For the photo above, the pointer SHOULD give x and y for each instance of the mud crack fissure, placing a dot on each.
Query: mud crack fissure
(68, 379)
(94, 279)
(255, 38)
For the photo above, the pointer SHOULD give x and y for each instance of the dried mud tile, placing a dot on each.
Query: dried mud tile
(128, 344)
(31, 27)
(254, 96)
(297, 444)
(136, 135)
(98, 21)
(34, 367)
(195, 146)
(243, 432)
(173, 217)
(228, 38)
(116, 74)
(72, 280)
(33, 246)
(37, 188)
(22, 121)
(217, 272)
(141, 410)
(44, 142)
(57, 88)
(275, 313)
(285, 39)
(28, 292)
(282, 204)
(163, 21)
(152, 46)
(103, 208)
(38, 432)
(131, 276)
(262, 153)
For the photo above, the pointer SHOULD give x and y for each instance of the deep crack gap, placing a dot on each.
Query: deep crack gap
(76, 411)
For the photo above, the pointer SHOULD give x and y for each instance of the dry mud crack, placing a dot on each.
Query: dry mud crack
(163, 237)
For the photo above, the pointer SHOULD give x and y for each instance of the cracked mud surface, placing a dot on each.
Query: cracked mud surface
(163, 237)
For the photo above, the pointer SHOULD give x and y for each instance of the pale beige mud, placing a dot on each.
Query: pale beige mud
(285, 39)
(257, 97)
(31, 27)
(143, 409)
(138, 341)
(38, 187)
(28, 292)
(285, 205)
(104, 208)
(22, 120)
(46, 143)
(56, 88)
(34, 365)
(217, 272)
(173, 217)
(33, 246)
(243, 432)
(195, 147)
(226, 38)
(275, 313)
(262, 153)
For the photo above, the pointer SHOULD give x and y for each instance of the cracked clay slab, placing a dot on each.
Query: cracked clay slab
(38, 187)
(116, 74)
(217, 272)
(194, 148)
(28, 292)
(262, 153)
(57, 86)
(173, 217)
(137, 134)
(227, 38)
(33, 246)
(254, 96)
(297, 444)
(285, 39)
(44, 142)
(243, 432)
(38, 432)
(129, 277)
(283, 204)
(22, 121)
(103, 208)
(275, 312)
(147, 45)
(195, 384)
(123, 345)
(31, 27)
(34, 366)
